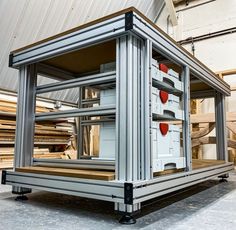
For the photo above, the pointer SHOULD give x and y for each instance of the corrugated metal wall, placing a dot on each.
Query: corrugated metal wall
(27, 21)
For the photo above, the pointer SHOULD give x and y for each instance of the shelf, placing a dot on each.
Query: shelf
(165, 117)
(68, 172)
(166, 87)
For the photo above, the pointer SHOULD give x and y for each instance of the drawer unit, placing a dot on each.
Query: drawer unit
(166, 147)
(162, 74)
(164, 103)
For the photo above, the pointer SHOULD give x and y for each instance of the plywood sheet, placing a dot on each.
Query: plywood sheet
(67, 172)
(197, 164)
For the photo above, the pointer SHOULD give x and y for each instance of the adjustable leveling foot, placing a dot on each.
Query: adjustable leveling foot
(127, 219)
(21, 198)
(223, 178)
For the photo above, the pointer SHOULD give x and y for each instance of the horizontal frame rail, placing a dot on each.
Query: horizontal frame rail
(166, 184)
(88, 164)
(94, 111)
(76, 40)
(78, 82)
(102, 190)
(178, 54)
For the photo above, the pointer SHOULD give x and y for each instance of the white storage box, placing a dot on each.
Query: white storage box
(166, 147)
(170, 76)
(108, 97)
(107, 129)
(165, 103)
(107, 141)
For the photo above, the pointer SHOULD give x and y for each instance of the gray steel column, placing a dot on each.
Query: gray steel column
(25, 120)
(128, 113)
(221, 134)
(187, 145)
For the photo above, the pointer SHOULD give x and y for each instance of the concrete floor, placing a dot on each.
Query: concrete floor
(210, 205)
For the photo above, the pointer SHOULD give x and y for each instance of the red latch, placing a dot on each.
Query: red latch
(164, 96)
(164, 128)
(163, 68)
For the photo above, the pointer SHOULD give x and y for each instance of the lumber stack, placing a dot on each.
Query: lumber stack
(51, 137)
(7, 155)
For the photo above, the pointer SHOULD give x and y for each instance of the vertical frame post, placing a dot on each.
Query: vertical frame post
(187, 145)
(128, 115)
(25, 120)
(220, 118)
(80, 133)
(146, 112)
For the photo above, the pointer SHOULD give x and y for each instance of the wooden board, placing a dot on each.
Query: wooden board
(106, 175)
(198, 164)
(78, 173)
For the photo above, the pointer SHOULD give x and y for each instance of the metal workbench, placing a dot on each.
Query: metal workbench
(134, 39)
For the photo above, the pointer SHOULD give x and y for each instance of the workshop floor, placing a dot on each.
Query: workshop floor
(208, 206)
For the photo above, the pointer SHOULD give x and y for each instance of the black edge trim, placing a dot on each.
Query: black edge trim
(4, 174)
(10, 60)
(129, 20)
(128, 193)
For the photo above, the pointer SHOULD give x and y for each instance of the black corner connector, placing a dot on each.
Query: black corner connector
(4, 174)
(10, 60)
(129, 20)
(128, 195)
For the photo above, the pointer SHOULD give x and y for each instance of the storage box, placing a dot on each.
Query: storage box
(166, 147)
(108, 97)
(164, 103)
(107, 141)
(170, 77)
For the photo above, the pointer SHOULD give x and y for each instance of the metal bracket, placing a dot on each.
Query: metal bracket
(129, 20)
(128, 193)
(10, 60)
(4, 174)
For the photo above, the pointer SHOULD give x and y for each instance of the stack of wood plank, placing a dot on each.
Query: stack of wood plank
(7, 155)
(51, 137)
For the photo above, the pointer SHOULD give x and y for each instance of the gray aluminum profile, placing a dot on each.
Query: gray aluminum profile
(135, 40)
(88, 164)
(221, 133)
(99, 32)
(78, 82)
(174, 52)
(92, 111)
(186, 123)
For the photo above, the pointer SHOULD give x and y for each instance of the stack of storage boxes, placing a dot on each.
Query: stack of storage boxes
(165, 137)
(166, 147)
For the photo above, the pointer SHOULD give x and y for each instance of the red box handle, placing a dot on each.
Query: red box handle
(164, 128)
(163, 68)
(164, 96)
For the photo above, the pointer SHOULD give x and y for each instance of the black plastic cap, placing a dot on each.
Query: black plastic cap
(10, 60)
(4, 173)
(128, 193)
(129, 20)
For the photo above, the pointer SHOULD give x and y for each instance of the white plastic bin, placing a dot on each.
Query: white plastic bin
(108, 97)
(165, 103)
(170, 76)
(166, 147)
(107, 141)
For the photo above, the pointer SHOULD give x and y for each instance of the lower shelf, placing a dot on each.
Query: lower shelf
(105, 175)
(67, 172)
(198, 164)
